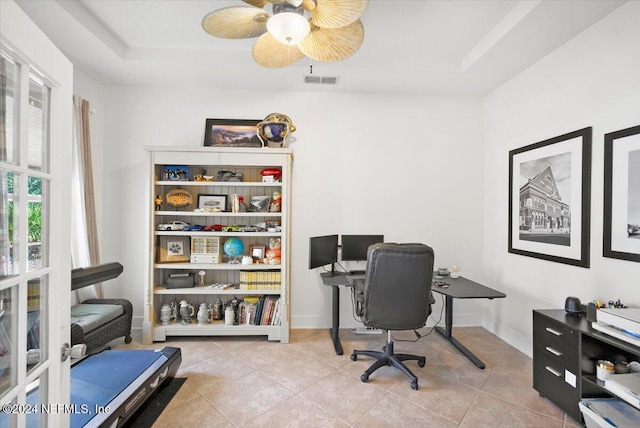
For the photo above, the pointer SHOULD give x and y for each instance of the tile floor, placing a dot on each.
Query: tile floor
(250, 382)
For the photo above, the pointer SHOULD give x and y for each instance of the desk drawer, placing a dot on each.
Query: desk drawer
(559, 337)
(549, 381)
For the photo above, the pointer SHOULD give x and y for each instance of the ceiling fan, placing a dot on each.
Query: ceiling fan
(332, 31)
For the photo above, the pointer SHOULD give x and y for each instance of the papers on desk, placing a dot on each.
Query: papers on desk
(626, 386)
(608, 412)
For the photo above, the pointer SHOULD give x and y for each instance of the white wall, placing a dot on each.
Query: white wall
(594, 80)
(407, 167)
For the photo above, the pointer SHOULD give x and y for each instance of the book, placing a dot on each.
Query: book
(625, 386)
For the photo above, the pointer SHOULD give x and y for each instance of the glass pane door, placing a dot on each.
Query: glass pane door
(34, 258)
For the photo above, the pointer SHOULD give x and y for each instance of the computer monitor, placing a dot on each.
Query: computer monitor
(323, 250)
(354, 247)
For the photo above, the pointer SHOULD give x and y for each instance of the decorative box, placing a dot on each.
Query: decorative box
(206, 249)
(181, 280)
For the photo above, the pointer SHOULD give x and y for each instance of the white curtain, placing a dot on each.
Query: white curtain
(84, 231)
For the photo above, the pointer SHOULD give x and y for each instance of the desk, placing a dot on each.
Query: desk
(462, 288)
(335, 280)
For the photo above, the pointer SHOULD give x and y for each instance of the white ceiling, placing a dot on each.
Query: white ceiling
(428, 47)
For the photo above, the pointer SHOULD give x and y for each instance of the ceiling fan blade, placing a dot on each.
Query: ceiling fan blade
(337, 13)
(256, 3)
(236, 22)
(261, 3)
(270, 53)
(309, 5)
(333, 44)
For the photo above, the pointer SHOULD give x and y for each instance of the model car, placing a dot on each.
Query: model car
(233, 227)
(172, 225)
(213, 227)
(252, 229)
(193, 227)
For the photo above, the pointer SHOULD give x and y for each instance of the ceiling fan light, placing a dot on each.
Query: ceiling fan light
(288, 27)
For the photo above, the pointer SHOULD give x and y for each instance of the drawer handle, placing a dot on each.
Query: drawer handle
(553, 371)
(552, 331)
(553, 351)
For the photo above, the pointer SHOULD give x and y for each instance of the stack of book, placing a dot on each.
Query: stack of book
(265, 310)
(260, 280)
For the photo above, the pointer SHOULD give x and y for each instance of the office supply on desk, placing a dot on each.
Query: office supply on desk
(462, 288)
(395, 295)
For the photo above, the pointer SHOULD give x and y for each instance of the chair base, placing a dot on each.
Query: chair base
(388, 358)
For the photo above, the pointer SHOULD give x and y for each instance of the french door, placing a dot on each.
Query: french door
(35, 158)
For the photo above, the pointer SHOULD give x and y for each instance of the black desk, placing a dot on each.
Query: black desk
(462, 288)
(335, 280)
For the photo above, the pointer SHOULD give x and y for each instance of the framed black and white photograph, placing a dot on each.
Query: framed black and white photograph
(232, 133)
(622, 194)
(260, 203)
(549, 199)
(212, 203)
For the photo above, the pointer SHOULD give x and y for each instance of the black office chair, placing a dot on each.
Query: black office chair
(395, 295)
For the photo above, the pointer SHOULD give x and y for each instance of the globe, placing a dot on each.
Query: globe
(233, 247)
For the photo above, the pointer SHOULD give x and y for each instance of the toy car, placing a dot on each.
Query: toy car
(213, 227)
(251, 229)
(193, 228)
(172, 225)
(233, 227)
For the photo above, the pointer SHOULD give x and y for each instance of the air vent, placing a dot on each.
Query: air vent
(321, 80)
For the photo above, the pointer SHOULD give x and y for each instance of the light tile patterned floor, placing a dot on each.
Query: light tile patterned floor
(250, 382)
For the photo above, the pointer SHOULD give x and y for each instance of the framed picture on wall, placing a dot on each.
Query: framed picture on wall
(549, 199)
(232, 133)
(621, 233)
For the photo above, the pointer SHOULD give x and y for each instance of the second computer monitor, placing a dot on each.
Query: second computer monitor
(354, 247)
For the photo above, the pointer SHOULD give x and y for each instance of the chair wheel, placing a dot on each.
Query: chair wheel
(414, 385)
(354, 357)
(421, 362)
(364, 377)
(128, 339)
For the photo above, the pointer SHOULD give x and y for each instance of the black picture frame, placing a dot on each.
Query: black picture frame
(621, 228)
(232, 133)
(549, 212)
(212, 203)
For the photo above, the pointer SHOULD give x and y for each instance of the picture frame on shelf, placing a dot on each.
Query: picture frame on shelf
(174, 249)
(549, 199)
(257, 252)
(621, 232)
(260, 203)
(176, 173)
(231, 133)
(212, 203)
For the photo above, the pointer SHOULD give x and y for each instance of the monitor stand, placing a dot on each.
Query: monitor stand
(332, 272)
